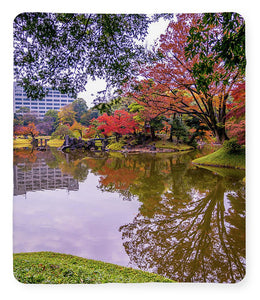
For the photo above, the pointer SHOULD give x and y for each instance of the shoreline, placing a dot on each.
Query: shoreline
(218, 166)
(158, 150)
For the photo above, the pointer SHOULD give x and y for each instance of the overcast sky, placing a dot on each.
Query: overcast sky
(154, 32)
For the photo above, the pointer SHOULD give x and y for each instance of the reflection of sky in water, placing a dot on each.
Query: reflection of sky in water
(156, 213)
(83, 222)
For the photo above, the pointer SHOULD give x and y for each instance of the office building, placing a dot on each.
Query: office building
(54, 100)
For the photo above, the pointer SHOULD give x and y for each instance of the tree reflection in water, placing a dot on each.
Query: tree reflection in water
(192, 240)
(191, 222)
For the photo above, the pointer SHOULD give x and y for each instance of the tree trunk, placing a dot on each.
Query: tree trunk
(117, 137)
(218, 121)
(152, 133)
(171, 134)
(221, 134)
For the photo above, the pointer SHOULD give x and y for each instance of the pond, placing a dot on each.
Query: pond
(154, 212)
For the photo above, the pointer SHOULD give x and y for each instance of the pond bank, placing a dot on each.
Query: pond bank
(221, 158)
(158, 147)
(51, 267)
(157, 150)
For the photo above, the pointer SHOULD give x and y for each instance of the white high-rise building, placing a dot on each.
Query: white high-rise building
(54, 100)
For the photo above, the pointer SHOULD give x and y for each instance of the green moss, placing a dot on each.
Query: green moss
(49, 267)
(221, 158)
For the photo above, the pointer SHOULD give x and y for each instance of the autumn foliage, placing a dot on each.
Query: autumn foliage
(185, 78)
(171, 84)
(121, 122)
(236, 125)
(76, 126)
(26, 130)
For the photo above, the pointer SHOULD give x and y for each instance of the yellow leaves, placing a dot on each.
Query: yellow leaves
(67, 115)
(217, 101)
(77, 126)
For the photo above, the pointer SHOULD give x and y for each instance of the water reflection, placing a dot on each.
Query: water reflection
(190, 225)
(199, 239)
(32, 173)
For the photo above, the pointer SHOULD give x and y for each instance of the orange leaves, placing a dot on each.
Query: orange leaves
(238, 95)
(192, 130)
(235, 122)
(209, 137)
(78, 127)
(119, 178)
(25, 155)
(30, 129)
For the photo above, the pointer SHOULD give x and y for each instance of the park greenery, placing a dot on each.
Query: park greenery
(51, 268)
(187, 90)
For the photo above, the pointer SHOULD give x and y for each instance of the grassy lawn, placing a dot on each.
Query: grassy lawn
(55, 143)
(50, 267)
(22, 142)
(222, 159)
(170, 145)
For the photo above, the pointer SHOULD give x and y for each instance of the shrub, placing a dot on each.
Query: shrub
(232, 146)
(115, 146)
(61, 131)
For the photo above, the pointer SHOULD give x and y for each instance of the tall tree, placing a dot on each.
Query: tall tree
(45, 128)
(85, 119)
(172, 84)
(65, 50)
(61, 131)
(67, 115)
(51, 117)
(80, 107)
(228, 44)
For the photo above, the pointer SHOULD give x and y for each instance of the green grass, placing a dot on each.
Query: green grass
(170, 145)
(21, 143)
(221, 158)
(50, 267)
(115, 146)
(55, 143)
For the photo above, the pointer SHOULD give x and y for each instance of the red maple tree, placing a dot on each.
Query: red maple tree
(170, 85)
(122, 122)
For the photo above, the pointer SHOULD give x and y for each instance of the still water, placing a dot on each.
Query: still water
(154, 212)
